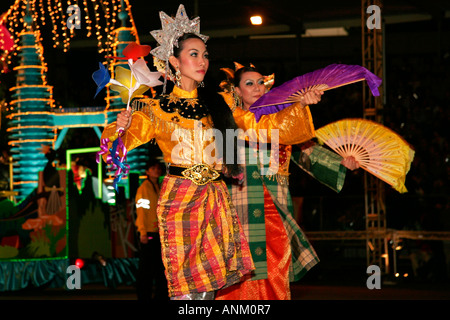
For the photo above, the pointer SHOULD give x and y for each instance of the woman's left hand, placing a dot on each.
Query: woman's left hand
(311, 97)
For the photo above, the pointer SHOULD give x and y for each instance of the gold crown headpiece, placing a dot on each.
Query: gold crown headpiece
(167, 37)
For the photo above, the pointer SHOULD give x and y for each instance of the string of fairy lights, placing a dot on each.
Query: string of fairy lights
(96, 19)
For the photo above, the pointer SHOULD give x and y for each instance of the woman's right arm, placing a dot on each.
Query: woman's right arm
(138, 129)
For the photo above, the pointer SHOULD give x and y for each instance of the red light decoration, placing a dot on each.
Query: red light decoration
(79, 263)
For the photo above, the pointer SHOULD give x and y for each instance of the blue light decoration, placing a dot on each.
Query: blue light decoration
(31, 123)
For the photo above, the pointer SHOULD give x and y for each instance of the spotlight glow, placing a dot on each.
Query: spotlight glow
(256, 20)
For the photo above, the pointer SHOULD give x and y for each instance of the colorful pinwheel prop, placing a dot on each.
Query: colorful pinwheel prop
(128, 83)
(330, 77)
(134, 51)
(101, 78)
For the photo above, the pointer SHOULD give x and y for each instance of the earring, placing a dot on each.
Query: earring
(237, 100)
(201, 84)
(178, 78)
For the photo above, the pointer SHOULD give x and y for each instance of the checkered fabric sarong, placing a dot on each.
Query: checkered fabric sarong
(249, 203)
(203, 244)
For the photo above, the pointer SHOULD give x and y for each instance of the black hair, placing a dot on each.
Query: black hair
(220, 112)
(177, 50)
(152, 162)
(238, 74)
(222, 118)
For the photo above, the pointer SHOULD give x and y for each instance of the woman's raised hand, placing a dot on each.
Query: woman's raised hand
(123, 120)
(311, 97)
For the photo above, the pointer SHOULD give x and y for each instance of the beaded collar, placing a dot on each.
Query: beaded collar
(185, 103)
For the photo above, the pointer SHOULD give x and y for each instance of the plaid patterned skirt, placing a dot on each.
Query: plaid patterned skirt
(203, 245)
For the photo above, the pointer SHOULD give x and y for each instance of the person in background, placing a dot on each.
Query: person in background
(151, 269)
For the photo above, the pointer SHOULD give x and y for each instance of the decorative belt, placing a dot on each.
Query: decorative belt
(200, 174)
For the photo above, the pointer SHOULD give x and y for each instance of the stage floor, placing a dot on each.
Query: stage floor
(300, 291)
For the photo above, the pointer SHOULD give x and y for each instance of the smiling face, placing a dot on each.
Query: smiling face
(193, 63)
(251, 88)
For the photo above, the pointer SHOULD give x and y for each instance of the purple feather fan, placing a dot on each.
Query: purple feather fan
(330, 77)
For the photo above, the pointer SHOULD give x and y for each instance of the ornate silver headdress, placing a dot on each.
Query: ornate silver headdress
(167, 37)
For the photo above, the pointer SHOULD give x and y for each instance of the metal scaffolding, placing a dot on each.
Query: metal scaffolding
(372, 32)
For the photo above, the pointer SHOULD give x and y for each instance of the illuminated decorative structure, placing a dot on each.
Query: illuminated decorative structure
(30, 123)
(33, 120)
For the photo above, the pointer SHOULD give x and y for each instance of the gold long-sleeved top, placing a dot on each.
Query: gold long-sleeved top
(180, 125)
(294, 124)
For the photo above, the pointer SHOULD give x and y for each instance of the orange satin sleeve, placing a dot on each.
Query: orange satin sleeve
(141, 131)
(295, 123)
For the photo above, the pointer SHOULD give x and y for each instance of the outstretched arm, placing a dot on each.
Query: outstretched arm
(294, 123)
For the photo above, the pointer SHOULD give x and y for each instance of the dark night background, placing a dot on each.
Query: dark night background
(417, 66)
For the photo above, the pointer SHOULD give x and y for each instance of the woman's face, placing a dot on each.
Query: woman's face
(193, 61)
(251, 88)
